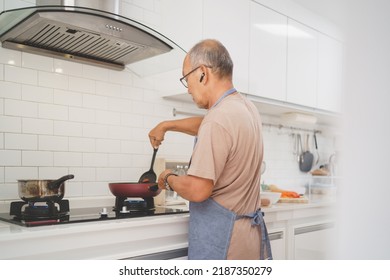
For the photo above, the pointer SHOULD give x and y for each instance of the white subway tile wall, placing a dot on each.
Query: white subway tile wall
(67, 68)
(58, 117)
(10, 90)
(20, 75)
(37, 94)
(1, 72)
(10, 57)
(20, 173)
(37, 62)
(20, 141)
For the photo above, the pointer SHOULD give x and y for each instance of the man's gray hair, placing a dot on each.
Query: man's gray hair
(213, 54)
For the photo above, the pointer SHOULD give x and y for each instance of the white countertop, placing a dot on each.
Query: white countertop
(118, 238)
(315, 201)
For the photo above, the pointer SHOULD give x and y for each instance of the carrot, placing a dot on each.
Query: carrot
(285, 193)
(289, 194)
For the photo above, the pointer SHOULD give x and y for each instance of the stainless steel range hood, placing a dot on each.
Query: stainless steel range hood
(86, 31)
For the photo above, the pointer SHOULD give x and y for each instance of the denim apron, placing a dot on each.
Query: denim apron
(211, 227)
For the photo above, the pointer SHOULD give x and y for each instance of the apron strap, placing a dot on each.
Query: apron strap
(258, 220)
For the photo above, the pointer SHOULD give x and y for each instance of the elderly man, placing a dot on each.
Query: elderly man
(223, 180)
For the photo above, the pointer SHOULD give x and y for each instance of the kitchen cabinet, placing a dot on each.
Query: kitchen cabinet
(277, 239)
(163, 237)
(293, 228)
(313, 241)
(292, 62)
(302, 64)
(182, 22)
(301, 230)
(283, 61)
(330, 72)
(268, 53)
(230, 27)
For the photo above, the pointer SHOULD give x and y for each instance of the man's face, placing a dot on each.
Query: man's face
(192, 76)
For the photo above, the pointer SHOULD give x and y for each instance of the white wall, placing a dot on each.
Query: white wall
(59, 117)
(93, 122)
(363, 227)
(364, 208)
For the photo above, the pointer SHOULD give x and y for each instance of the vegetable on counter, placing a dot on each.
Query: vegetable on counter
(285, 193)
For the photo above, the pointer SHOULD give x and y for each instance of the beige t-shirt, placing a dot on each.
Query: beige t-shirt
(229, 151)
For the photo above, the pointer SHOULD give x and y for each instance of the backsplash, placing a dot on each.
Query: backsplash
(59, 117)
(282, 167)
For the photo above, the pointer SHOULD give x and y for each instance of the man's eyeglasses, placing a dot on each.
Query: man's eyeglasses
(183, 79)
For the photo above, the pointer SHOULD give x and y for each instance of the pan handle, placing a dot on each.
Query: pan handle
(153, 188)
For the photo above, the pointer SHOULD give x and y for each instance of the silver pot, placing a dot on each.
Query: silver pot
(42, 190)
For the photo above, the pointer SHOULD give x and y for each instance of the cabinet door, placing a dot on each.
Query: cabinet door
(302, 62)
(181, 21)
(278, 244)
(268, 53)
(314, 242)
(230, 27)
(330, 56)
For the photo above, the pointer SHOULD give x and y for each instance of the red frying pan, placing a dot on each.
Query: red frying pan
(143, 190)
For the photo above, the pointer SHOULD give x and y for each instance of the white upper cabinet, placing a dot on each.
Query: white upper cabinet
(268, 53)
(279, 54)
(330, 72)
(181, 21)
(228, 21)
(302, 64)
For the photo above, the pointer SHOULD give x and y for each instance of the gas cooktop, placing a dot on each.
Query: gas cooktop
(130, 209)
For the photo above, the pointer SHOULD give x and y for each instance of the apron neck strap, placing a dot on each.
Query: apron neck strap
(226, 93)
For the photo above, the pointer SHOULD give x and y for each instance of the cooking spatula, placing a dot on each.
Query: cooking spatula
(149, 176)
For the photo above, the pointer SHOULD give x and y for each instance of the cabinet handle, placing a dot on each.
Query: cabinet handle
(302, 230)
(166, 255)
(275, 235)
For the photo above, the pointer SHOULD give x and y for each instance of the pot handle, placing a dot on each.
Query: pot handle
(57, 183)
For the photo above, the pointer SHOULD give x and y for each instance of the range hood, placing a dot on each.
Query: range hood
(86, 31)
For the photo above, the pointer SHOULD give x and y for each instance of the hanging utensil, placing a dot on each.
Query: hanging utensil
(297, 147)
(306, 157)
(316, 145)
(149, 176)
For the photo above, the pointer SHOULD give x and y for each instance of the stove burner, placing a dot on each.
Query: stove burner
(39, 211)
(39, 214)
(31, 211)
(123, 205)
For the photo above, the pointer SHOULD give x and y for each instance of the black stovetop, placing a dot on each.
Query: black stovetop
(92, 214)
